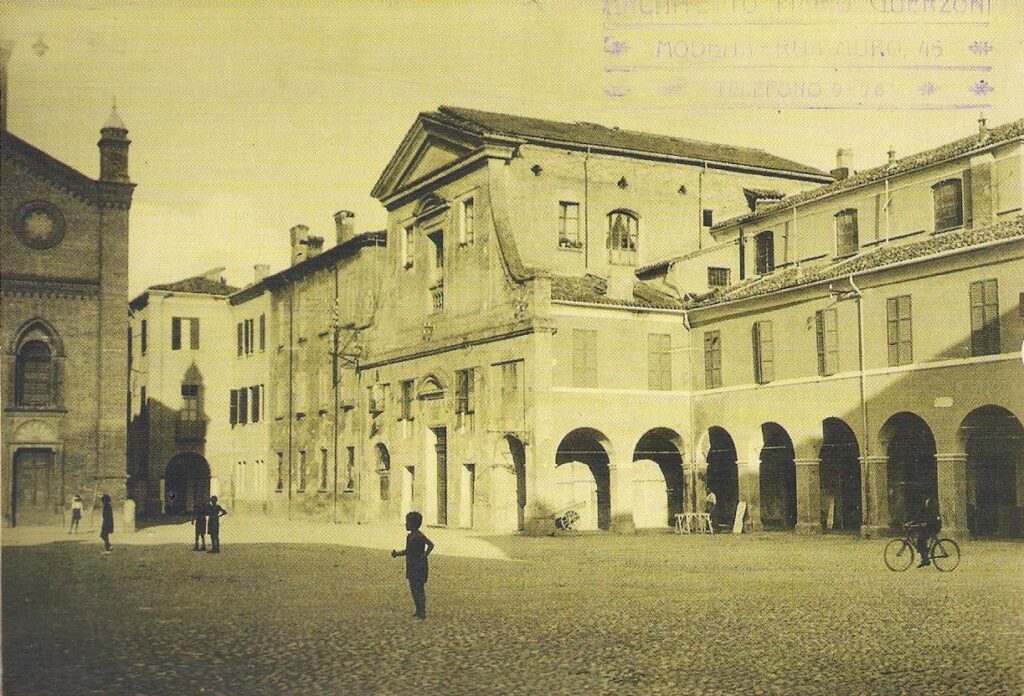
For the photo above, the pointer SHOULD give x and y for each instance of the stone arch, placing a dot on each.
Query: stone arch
(722, 475)
(993, 440)
(840, 476)
(383, 468)
(39, 329)
(35, 432)
(777, 484)
(584, 476)
(431, 386)
(509, 483)
(658, 482)
(186, 483)
(912, 471)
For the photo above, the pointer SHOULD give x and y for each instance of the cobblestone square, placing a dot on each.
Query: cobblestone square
(762, 613)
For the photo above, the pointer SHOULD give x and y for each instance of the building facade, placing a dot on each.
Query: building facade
(566, 316)
(64, 268)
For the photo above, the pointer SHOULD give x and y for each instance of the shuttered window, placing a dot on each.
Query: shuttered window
(659, 362)
(712, 359)
(898, 331)
(828, 342)
(985, 317)
(949, 205)
(765, 252)
(764, 353)
(584, 367)
(847, 236)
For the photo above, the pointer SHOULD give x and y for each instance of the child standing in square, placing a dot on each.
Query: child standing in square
(417, 548)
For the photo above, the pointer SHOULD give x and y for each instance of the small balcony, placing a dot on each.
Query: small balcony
(437, 296)
(190, 430)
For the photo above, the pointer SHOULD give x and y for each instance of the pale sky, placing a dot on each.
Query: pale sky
(249, 117)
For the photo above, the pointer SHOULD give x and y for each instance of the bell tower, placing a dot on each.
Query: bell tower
(113, 146)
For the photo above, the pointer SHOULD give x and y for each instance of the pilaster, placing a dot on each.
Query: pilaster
(952, 475)
(750, 491)
(621, 491)
(808, 495)
(874, 483)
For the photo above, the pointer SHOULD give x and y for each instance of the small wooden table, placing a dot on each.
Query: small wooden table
(694, 523)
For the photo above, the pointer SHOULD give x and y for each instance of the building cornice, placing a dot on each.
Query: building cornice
(453, 343)
(26, 285)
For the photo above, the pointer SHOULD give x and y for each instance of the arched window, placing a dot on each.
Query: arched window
(34, 375)
(384, 471)
(623, 235)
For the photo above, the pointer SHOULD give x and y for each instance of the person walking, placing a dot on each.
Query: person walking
(214, 512)
(417, 548)
(199, 521)
(76, 513)
(107, 527)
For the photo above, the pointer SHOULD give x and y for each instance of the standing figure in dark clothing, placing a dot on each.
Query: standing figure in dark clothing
(107, 528)
(927, 524)
(417, 548)
(214, 513)
(199, 520)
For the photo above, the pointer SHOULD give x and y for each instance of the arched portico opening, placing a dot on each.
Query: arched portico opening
(840, 476)
(723, 478)
(664, 447)
(186, 483)
(587, 451)
(778, 478)
(911, 470)
(993, 439)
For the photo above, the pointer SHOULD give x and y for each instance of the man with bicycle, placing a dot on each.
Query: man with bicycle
(926, 524)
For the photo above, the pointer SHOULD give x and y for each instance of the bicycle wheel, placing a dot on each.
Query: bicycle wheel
(945, 555)
(899, 555)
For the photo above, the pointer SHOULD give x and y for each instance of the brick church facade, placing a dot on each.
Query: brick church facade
(63, 326)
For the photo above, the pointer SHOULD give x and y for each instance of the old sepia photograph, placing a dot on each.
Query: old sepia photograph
(513, 347)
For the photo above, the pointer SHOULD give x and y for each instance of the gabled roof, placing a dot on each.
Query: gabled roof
(958, 148)
(197, 285)
(440, 138)
(592, 289)
(876, 259)
(596, 135)
(320, 261)
(48, 166)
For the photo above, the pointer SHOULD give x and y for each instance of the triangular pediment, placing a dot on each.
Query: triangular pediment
(428, 148)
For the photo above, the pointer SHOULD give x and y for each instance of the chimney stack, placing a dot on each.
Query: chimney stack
(299, 235)
(314, 245)
(345, 224)
(982, 128)
(844, 164)
(892, 156)
(260, 271)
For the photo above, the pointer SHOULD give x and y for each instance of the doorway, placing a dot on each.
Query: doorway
(31, 487)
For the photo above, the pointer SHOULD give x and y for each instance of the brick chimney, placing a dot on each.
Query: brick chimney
(345, 224)
(620, 282)
(844, 164)
(260, 271)
(299, 235)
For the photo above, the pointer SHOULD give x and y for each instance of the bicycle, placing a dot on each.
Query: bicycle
(567, 520)
(900, 552)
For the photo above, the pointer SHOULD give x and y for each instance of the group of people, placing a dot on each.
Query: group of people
(107, 519)
(206, 519)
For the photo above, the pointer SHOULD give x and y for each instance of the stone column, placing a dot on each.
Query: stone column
(620, 485)
(808, 495)
(750, 491)
(952, 474)
(874, 491)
